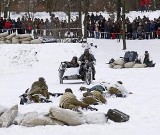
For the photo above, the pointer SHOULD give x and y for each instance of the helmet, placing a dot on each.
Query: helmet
(119, 82)
(74, 58)
(146, 52)
(86, 50)
(41, 79)
(68, 90)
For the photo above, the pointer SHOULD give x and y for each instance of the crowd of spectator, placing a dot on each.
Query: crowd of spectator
(97, 27)
(139, 28)
(38, 27)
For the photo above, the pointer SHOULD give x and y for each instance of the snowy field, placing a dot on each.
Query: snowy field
(63, 16)
(21, 65)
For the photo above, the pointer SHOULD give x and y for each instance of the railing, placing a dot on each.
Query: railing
(76, 33)
(129, 35)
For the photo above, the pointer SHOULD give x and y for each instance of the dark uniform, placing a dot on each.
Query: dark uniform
(72, 63)
(90, 58)
(147, 60)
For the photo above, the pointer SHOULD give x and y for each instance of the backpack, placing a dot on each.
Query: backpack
(130, 56)
(117, 116)
(134, 56)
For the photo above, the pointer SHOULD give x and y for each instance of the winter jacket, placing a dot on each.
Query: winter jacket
(141, 58)
(29, 25)
(69, 101)
(7, 25)
(158, 32)
(120, 88)
(95, 95)
(90, 58)
(39, 87)
(152, 26)
(139, 29)
(71, 64)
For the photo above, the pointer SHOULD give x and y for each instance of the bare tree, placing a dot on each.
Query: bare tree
(123, 23)
(118, 9)
(7, 8)
(86, 9)
(51, 5)
(80, 17)
(69, 14)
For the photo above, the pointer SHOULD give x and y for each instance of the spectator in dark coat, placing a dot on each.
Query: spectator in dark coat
(152, 29)
(19, 26)
(146, 30)
(1, 24)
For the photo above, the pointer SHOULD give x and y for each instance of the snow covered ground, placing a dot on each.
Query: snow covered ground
(21, 65)
(63, 16)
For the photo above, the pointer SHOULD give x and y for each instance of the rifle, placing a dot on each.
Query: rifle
(55, 94)
(45, 100)
(25, 94)
(92, 108)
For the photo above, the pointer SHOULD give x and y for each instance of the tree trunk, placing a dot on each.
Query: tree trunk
(80, 18)
(118, 10)
(86, 18)
(123, 24)
(69, 15)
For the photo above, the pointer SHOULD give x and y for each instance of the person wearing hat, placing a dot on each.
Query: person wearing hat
(146, 59)
(140, 31)
(158, 31)
(69, 101)
(93, 97)
(86, 56)
(38, 89)
(72, 63)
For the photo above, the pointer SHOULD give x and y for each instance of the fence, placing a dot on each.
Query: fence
(129, 35)
(62, 33)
